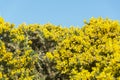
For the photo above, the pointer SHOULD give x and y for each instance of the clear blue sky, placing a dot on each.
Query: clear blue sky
(58, 12)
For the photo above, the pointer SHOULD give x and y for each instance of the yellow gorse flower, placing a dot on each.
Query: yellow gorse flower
(0, 75)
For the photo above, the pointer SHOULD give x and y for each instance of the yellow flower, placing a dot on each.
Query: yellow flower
(49, 56)
(20, 37)
(29, 42)
(1, 20)
(0, 75)
(7, 56)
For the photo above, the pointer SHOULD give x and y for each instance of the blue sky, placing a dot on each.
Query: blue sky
(58, 12)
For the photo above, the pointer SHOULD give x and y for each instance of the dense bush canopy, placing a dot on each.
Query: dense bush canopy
(49, 52)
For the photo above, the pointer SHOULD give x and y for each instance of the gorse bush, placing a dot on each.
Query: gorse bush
(49, 52)
(89, 53)
(17, 58)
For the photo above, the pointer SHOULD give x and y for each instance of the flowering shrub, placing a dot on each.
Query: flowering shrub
(89, 53)
(49, 52)
(17, 58)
